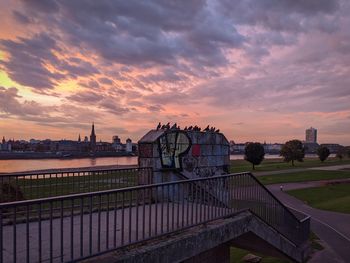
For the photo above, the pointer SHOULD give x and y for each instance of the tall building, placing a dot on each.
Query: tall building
(93, 138)
(311, 135)
(128, 147)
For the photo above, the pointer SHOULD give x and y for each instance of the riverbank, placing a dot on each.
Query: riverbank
(49, 155)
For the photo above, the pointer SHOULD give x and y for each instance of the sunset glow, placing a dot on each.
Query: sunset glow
(257, 70)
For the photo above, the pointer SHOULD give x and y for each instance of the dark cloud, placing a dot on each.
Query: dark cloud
(106, 81)
(86, 97)
(77, 67)
(155, 108)
(45, 6)
(21, 18)
(113, 106)
(10, 104)
(28, 58)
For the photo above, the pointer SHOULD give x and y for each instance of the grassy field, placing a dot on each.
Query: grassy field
(278, 164)
(331, 197)
(304, 176)
(63, 185)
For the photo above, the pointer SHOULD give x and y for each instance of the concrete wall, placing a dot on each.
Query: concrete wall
(195, 154)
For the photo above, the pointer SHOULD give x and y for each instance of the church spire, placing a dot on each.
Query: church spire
(93, 130)
(93, 138)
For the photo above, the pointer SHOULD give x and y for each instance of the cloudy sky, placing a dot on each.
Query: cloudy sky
(259, 70)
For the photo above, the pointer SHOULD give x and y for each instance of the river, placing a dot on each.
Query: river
(8, 166)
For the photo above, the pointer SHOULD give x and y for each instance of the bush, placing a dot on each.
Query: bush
(323, 153)
(293, 151)
(254, 153)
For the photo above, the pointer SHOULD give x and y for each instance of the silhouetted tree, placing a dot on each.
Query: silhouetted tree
(323, 153)
(254, 153)
(293, 151)
(341, 153)
(347, 149)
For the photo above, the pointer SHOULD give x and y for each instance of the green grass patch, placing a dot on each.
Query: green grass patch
(304, 176)
(236, 255)
(278, 164)
(331, 197)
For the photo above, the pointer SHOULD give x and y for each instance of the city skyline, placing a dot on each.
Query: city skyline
(262, 72)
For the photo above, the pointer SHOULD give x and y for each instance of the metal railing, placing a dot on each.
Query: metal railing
(27, 186)
(72, 227)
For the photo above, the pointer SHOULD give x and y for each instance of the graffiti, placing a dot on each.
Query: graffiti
(189, 163)
(146, 150)
(172, 146)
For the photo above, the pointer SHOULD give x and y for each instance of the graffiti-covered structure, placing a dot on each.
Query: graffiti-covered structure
(180, 154)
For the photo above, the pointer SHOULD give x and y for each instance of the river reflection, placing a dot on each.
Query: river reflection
(7, 166)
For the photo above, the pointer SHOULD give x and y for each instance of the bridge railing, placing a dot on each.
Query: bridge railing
(77, 226)
(33, 185)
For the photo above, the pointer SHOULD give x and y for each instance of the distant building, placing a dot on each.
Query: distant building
(5, 146)
(116, 143)
(310, 147)
(311, 135)
(333, 147)
(128, 147)
(93, 138)
(115, 139)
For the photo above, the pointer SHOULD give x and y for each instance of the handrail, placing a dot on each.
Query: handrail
(18, 186)
(86, 224)
(271, 195)
(70, 170)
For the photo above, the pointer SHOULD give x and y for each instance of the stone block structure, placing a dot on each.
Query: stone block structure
(179, 154)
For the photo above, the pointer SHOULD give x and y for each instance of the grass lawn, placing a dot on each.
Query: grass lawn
(236, 254)
(278, 164)
(331, 197)
(310, 175)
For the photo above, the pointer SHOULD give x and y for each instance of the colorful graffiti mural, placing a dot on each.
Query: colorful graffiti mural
(172, 146)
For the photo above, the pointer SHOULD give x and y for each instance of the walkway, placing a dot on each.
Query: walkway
(73, 237)
(332, 227)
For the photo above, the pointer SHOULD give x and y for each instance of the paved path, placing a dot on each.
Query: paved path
(332, 168)
(332, 227)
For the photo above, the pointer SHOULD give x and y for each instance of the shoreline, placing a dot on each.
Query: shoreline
(79, 169)
(50, 156)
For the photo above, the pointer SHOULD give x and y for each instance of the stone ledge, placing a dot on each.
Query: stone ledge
(196, 240)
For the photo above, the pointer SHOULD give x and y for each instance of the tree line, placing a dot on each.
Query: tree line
(291, 151)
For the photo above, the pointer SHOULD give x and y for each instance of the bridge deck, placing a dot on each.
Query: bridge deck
(77, 236)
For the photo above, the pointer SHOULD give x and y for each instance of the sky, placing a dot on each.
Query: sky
(258, 70)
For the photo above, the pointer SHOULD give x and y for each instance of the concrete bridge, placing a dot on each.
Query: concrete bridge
(181, 204)
(78, 226)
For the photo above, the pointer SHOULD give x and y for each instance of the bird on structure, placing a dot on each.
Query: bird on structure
(163, 127)
(159, 126)
(217, 130)
(206, 129)
(190, 128)
(167, 126)
(185, 129)
(174, 126)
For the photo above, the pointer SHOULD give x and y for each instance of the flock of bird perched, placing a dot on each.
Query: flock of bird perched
(190, 128)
